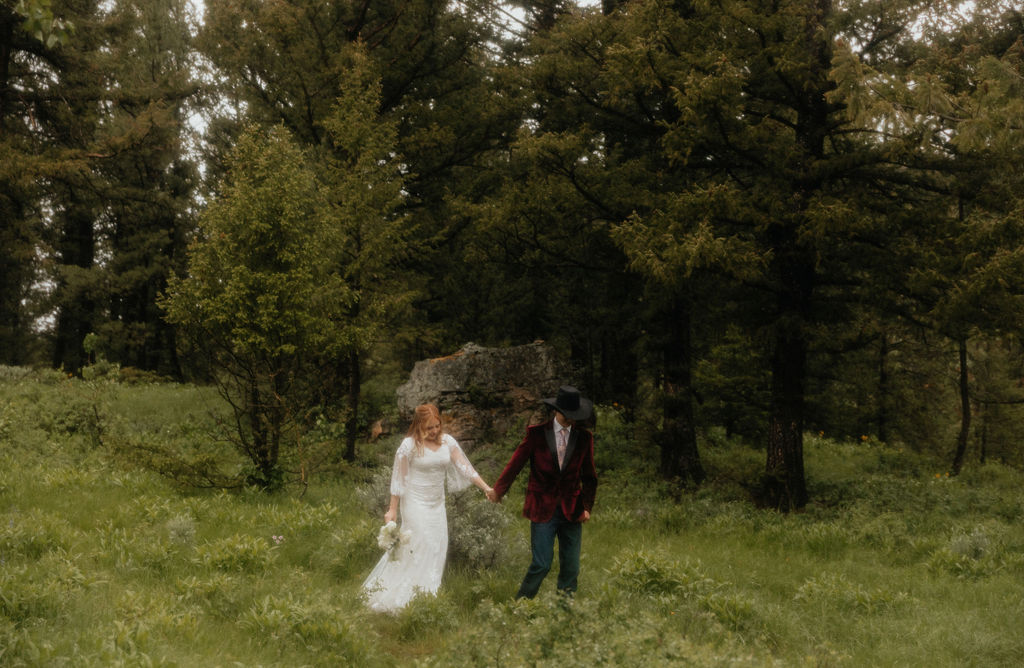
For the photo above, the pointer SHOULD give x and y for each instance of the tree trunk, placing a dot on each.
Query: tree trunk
(983, 444)
(8, 24)
(352, 423)
(15, 276)
(965, 410)
(75, 295)
(785, 487)
(883, 390)
(680, 458)
(794, 265)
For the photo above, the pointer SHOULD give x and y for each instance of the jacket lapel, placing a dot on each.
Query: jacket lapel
(549, 434)
(570, 446)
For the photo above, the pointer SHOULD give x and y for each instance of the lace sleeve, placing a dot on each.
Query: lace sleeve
(461, 473)
(400, 471)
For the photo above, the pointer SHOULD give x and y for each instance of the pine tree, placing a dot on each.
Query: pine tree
(793, 150)
(102, 152)
(31, 40)
(260, 299)
(288, 63)
(148, 180)
(361, 174)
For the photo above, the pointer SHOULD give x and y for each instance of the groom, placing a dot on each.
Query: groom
(561, 489)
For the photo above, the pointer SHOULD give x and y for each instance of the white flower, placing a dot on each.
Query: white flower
(390, 537)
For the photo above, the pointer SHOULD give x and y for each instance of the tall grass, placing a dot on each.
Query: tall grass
(103, 563)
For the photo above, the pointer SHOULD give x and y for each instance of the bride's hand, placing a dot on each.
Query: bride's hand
(389, 516)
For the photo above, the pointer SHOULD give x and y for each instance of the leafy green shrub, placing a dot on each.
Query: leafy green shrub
(40, 590)
(32, 534)
(723, 517)
(826, 539)
(634, 497)
(978, 553)
(477, 536)
(24, 597)
(137, 549)
(181, 529)
(552, 630)
(375, 494)
(733, 469)
(79, 415)
(145, 612)
(427, 615)
(734, 611)
(13, 374)
(975, 545)
(16, 645)
(349, 551)
(652, 575)
(219, 594)
(70, 476)
(831, 590)
(297, 516)
(323, 628)
(237, 553)
(887, 530)
(615, 442)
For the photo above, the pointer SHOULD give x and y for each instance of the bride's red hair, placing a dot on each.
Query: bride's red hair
(424, 414)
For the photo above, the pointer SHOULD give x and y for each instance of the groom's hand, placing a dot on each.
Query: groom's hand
(585, 516)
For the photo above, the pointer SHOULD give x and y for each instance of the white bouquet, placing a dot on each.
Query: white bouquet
(390, 538)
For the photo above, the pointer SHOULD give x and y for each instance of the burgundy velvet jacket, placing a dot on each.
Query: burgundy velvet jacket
(573, 488)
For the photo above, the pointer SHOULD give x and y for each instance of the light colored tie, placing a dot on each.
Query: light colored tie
(562, 437)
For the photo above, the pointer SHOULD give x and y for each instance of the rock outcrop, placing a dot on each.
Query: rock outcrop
(485, 392)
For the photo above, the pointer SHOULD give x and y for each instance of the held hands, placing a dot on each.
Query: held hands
(492, 496)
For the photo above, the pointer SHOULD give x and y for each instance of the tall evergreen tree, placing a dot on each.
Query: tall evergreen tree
(70, 123)
(148, 180)
(30, 46)
(361, 174)
(587, 159)
(768, 143)
(102, 154)
(286, 63)
(261, 302)
(816, 143)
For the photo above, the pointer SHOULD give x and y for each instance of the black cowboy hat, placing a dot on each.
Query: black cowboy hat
(571, 404)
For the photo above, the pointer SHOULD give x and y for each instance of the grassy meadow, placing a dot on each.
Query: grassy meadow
(103, 563)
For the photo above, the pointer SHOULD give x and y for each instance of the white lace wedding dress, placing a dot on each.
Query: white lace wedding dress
(419, 481)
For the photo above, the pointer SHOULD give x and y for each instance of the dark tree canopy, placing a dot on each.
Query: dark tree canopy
(771, 218)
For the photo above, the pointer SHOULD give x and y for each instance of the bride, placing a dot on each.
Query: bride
(425, 460)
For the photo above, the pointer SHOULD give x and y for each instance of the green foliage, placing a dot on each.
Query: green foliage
(831, 590)
(33, 534)
(219, 594)
(982, 551)
(650, 576)
(41, 23)
(280, 621)
(29, 594)
(345, 552)
(478, 532)
(427, 616)
(102, 564)
(237, 553)
(262, 299)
